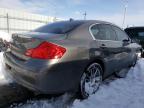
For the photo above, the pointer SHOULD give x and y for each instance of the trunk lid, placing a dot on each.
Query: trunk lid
(21, 42)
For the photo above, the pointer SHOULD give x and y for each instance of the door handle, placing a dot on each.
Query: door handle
(103, 46)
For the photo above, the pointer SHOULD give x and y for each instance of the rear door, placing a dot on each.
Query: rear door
(106, 43)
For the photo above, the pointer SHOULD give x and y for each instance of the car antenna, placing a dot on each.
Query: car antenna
(71, 19)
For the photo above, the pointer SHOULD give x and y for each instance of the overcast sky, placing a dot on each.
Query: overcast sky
(109, 10)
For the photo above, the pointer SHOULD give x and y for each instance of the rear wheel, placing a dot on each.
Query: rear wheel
(90, 80)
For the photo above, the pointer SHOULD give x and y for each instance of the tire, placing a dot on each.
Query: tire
(90, 80)
(135, 61)
(122, 73)
(142, 54)
(139, 54)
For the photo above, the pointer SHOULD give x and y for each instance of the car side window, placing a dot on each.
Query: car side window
(97, 33)
(103, 32)
(121, 35)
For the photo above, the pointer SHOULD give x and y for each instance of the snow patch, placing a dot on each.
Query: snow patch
(5, 36)
(3, 78)
(59, 102)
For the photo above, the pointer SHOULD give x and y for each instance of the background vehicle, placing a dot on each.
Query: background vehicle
(137, 35)
(69, 56)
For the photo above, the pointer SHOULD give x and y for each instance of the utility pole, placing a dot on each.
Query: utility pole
(85, 14)
(125, 11)
(7, 16)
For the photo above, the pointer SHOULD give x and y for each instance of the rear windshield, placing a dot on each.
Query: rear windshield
(59, 27)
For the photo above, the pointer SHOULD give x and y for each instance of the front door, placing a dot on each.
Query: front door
(127, 53)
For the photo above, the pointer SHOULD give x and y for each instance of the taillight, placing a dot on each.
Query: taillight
(46, 50)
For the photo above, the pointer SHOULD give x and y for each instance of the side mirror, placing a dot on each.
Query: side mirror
(126, 42)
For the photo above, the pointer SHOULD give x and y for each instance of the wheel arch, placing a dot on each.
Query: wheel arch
(99, 61)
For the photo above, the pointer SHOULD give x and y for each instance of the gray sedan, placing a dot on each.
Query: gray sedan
(70, 56)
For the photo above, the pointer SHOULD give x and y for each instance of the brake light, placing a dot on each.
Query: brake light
(46, 50)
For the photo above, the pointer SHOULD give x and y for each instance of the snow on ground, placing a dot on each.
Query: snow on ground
(120, 93)
(3, 79)
(5, 36)
(59, 102)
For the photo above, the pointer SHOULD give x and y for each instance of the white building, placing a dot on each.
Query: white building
(14, 21)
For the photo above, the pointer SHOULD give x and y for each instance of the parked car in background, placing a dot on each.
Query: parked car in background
(137, 35)
(69, 56)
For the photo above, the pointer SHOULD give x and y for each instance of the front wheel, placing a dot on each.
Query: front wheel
(122, 73)
(90, 80)
(139, 54)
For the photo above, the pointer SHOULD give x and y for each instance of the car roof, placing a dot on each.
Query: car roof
(84, 28)
(88, 21)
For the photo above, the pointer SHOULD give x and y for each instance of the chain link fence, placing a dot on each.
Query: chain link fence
(16, 21)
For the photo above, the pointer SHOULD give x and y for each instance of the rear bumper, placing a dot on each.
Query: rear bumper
(44, 76)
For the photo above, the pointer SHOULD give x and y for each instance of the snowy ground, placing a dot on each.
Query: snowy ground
(3, 79)
(120, 93)
(5, 36)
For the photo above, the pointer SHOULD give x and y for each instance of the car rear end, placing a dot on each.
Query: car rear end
(37, 60)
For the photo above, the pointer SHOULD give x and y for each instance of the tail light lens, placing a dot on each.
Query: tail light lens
(46, 50)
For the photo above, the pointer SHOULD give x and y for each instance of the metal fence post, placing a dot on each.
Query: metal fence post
(7, 23)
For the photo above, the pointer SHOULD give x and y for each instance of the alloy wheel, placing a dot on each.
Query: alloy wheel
(91, 80)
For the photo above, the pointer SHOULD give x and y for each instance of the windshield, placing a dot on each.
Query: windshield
(59, 27)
